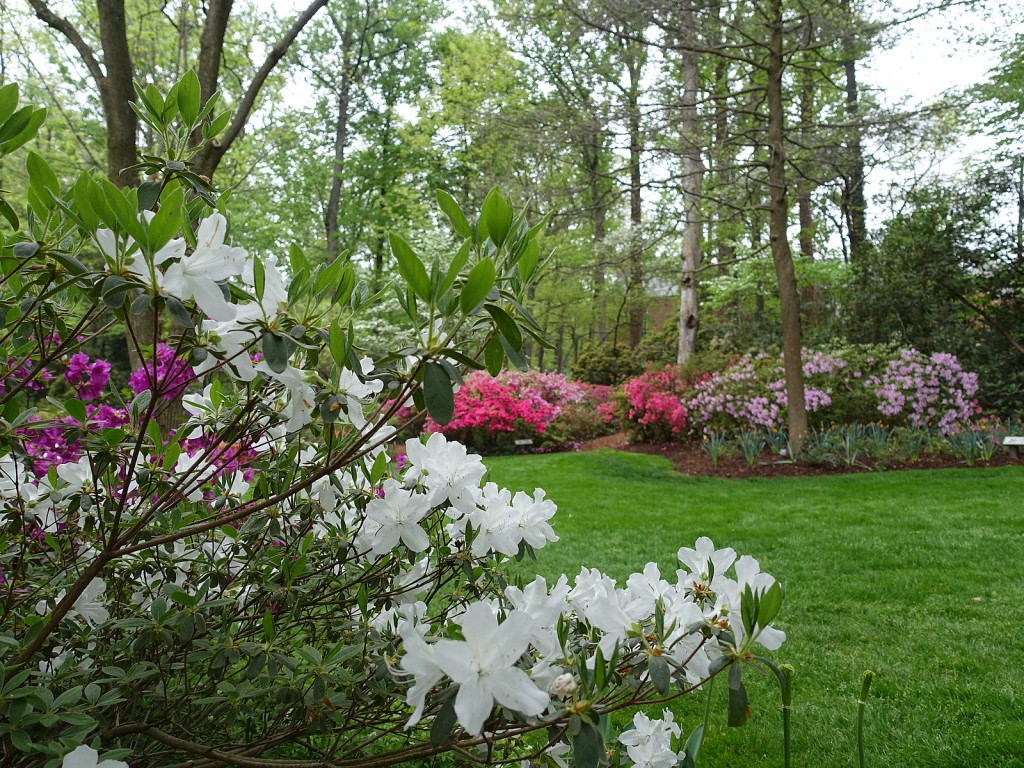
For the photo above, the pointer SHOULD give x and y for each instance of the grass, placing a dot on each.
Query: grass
(918, 576)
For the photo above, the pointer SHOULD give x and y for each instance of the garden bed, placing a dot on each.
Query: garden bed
(690, 459)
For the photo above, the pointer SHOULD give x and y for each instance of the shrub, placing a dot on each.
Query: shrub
(926, 391)
(910, 389)
(653, 404)
(607, 364)
(255, 581)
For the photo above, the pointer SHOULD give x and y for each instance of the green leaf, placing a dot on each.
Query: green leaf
(21, 127)
(338, 344)
(506, 325)
(410, 267)
(661, 673)
(8, 101)
(438, 394)
(494, 357)
(296, 258)
(276, 351)
(460, 260)
(497, 215)
(189, 97)
(748, 609)
(140, 404)
(771, 604)
(259, 277)
(692, 748)
(444, 722)
(168, 219)
(380, 465)
(586, 746)
(114, 291)
(529, 260)
(76, 409)
(515, 356)
(149, 193)
(42, 182)
(178, 312)
(268, 626)
(454, 213)
(478, 285)
(25, 249)
(739, 706)
(8, 213)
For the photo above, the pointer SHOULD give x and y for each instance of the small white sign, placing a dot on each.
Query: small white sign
(527, 441)
(1013, 440)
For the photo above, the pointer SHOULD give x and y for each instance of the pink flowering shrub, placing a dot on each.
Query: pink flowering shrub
(167, 376)
(926, 391)
(654, 404)
(493, 412)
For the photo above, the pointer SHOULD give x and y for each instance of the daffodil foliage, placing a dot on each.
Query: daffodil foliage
(265, 580)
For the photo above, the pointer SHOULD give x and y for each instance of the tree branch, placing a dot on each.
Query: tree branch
(210, 157)
(66, 28)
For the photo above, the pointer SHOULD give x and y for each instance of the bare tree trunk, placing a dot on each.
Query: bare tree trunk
(854, 202)
(337, 169)
(591, 151)
(779, 220)
(693, 178)
(636, 311)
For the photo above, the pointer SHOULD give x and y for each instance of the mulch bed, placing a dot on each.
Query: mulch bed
(690, 459)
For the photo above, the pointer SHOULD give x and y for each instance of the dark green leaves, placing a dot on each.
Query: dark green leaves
(692, 748)
(189, 97)
(496, 215)
(276, 351)
(739, 706)
(438, 393)
(454, 213)
(410, 267)
(443, 723)
(506, 325)
(586, 746)
(661, 673)
(478, 285)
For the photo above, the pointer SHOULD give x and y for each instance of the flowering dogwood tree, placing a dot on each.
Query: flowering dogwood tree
(265, 584)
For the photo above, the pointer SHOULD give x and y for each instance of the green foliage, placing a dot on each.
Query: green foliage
(606, 364)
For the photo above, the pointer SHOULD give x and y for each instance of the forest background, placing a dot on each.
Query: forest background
(703, 166)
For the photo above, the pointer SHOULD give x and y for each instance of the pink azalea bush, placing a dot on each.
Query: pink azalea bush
(492, 412)
(654, 404)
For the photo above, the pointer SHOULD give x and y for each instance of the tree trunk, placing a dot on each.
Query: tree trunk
(591, 152)
(693, 177)
(337, 169)
(778, 223)
(636, 308)
(854, 203)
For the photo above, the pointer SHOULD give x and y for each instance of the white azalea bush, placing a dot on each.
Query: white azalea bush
(265, 582)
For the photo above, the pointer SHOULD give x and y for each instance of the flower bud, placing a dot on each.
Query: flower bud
(562, 686)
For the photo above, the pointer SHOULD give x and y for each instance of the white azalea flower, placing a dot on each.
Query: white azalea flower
(87, 757)
(446, 471)
(484, 666)
(398, 516)
(196, 275)
(707, 565)
(649, 742)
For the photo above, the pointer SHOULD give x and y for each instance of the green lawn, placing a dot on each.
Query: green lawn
(916, 575)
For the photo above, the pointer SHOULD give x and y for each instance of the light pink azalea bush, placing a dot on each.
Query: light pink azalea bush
(858, 384)
(926, 390)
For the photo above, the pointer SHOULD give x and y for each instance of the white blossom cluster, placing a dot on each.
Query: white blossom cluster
(511, 655)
